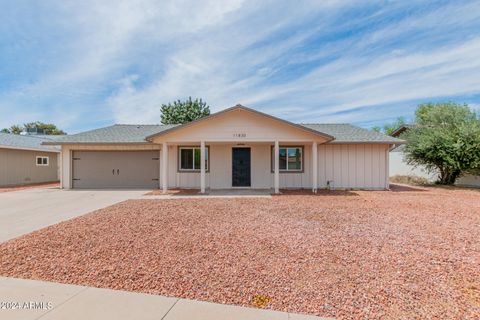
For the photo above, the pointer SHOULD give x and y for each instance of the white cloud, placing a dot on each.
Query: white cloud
(304, 61)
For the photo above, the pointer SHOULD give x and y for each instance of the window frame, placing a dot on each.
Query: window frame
(179, 159)
(42, 164)
(302, 161)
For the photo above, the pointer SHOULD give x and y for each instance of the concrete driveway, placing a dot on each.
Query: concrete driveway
(24, 211)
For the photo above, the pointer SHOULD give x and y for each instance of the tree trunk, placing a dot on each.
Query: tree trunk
(448, 176)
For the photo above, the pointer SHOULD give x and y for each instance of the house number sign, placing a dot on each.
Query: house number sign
(239, 135)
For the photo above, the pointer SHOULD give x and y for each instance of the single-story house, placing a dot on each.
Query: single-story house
(235, 148)
(24, 160)
(398, 165)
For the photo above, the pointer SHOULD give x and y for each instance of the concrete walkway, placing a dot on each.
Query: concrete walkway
(31, 299)
(27, 210)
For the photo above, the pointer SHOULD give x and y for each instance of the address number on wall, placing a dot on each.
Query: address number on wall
(239, 135)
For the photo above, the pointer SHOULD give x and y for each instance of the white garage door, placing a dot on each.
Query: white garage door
(115, 169)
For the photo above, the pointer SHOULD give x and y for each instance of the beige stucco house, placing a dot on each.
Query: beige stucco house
(234, 148)
(24, 160)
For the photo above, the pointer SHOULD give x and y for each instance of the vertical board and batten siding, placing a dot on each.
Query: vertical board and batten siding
(18, 167)
(349, 166)
(353, 166)
(220, 173)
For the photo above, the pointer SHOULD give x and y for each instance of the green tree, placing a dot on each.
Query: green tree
(180, 112)
(49, 129)
(445, 139)
(15, 129)
(389, 128)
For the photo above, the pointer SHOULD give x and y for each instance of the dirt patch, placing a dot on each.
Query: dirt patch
(30, 186)
(178, 192)
(411, 254)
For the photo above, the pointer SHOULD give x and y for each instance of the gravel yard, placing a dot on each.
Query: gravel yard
(409, 253)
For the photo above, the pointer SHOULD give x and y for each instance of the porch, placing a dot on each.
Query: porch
(256, 165)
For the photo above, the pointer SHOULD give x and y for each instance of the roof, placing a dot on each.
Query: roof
(347, 133)
(243, 108)
(132, 133)
(116, 134)
(26, 142)
(402, 129)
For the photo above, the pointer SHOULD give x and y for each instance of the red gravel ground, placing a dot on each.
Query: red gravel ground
(409, 253)
(30, 186)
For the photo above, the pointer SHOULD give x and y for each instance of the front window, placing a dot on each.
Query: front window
(290, 159)
(41, 161)
(189, 159)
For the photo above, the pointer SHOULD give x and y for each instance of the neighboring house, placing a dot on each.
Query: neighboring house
(234, 148)
(24, 160)
(398, 166)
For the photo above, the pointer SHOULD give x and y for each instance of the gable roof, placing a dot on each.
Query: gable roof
(240, 107)
(116, 134)
(142, 134)
(347, 133)
(26, 142)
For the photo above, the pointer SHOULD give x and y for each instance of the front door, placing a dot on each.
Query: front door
(241, 167)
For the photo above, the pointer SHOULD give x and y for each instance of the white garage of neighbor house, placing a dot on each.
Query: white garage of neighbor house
(234, 148)
(24, 160)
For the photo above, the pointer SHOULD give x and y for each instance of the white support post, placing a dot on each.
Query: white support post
(276, 179)
(60, 167)
(160, 174)
(202, 167)
(67, 164)
(314, 167)
(164, 165)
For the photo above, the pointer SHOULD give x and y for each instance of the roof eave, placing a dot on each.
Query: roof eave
(368, 142)
(95, 143)
(28, 149)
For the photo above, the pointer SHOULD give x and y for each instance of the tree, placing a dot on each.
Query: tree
(389, 128)
(48, 128)
(15, 129)
(180, 112)
(445, 139)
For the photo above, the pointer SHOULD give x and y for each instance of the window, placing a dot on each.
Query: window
(290, 159)
(42, 161)
(189, 159)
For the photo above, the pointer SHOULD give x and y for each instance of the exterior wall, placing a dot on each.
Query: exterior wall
(399, 167)
(220, 174)
(18, 167)
(353, 166)
(350, 166)
(469, 180)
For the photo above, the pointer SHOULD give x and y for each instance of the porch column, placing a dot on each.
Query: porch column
(202, 167)
(164, 165)
(276, 179)
(160, 168)
(314, 167)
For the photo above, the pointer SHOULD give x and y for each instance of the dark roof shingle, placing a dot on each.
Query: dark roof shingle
(130, 133)
(29, 142)
(347, 133)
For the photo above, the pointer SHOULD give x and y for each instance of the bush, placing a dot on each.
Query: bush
(411, 180)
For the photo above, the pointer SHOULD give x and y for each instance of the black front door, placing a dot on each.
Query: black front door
(241, 167)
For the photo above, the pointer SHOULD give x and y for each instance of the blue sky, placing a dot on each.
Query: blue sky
(86, 64)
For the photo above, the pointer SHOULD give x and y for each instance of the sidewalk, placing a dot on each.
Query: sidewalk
(54, 301)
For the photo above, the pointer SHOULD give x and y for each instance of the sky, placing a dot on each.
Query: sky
(87, 64)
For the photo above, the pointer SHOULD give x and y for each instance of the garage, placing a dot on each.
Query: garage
(115, 169)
